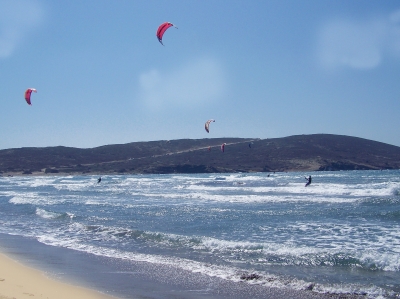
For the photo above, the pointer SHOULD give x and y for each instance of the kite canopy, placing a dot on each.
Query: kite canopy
(207, 125)
(161, 30)
(28, 93)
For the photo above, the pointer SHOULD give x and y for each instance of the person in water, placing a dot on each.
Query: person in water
(308, 181)
(99, 180)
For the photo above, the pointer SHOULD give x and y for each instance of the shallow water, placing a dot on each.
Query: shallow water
(339, 235)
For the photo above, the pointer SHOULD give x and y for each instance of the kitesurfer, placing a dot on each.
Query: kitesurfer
(99, 180)
(308, 181)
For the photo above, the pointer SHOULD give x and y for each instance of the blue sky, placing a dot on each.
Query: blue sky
(261, 69)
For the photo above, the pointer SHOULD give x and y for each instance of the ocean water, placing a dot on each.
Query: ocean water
(340, 235)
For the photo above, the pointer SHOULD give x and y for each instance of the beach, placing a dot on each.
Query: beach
(19, 281)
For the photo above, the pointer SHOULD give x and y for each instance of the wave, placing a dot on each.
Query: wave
(28, 198)
(342, 253)
(225, 272)
(233, 188)
(34, 182)
(36, 199)
(53, 215)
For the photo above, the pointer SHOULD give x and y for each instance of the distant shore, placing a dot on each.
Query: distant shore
(317, 152)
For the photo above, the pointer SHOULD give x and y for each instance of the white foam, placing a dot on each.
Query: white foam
(28, 198)
(213, 270)
(34, 182)
(47, 214)
(38, 199)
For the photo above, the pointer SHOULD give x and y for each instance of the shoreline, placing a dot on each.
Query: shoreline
(64, 273)
(18, 280)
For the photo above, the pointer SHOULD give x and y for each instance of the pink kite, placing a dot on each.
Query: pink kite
(161, 30)
(28, 93)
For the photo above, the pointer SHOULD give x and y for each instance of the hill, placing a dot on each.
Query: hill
(316, 152)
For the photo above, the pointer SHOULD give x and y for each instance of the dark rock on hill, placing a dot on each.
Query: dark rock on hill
(294, 153)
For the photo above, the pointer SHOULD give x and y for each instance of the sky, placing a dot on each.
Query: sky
(260, 68)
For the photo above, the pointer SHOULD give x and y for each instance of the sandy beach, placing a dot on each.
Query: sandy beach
(18, 281)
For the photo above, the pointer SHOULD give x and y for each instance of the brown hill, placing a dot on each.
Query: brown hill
(294, 153)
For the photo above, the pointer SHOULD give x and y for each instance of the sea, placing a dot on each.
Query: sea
(234, 235)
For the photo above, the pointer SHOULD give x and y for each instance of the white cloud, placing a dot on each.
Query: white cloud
(194, 84)
(359, 44)
(17, 18)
